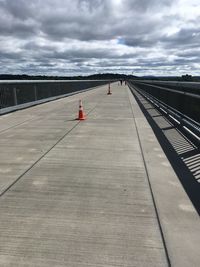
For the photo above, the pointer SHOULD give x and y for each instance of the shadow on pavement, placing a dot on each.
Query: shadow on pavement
(182, 153)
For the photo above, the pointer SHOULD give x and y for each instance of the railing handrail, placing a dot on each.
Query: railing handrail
(173, 90)
(51, 81)
(167, 82)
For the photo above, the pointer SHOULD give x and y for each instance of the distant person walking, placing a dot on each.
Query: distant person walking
(121, 82)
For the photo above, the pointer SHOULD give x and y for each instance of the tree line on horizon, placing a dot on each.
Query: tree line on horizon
(103, 76)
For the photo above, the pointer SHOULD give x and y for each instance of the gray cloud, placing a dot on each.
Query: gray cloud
(85, 36)
(144, 5)
(183, 38)
(20, 9)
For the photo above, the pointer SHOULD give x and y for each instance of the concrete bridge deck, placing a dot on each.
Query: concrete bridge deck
(97, 193)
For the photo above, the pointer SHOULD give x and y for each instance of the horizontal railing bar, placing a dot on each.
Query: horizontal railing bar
(173, 90)
(183, 84)
(51, 81)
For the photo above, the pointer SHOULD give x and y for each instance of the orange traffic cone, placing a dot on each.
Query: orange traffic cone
(109, 91)
(81, 113)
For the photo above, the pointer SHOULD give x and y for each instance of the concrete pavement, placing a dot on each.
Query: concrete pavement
(78, 193)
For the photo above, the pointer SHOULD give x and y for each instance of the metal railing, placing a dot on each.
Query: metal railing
(183, 120)
(19, 94)
(182, 96)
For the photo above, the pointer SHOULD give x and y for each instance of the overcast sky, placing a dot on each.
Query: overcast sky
(72, 37)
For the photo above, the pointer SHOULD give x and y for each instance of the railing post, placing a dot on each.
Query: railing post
(15, 96)
(35, 92)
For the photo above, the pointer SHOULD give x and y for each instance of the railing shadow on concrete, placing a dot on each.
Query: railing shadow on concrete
(183, 154)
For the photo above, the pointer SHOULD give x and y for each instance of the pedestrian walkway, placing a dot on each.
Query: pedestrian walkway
(79, 193)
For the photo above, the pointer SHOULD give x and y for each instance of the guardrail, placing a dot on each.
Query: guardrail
(182, 96)
(191, 126)
(20, 94)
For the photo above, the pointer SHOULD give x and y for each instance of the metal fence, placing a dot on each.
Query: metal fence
(164, 100)
(14, 93)
(182, 96)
